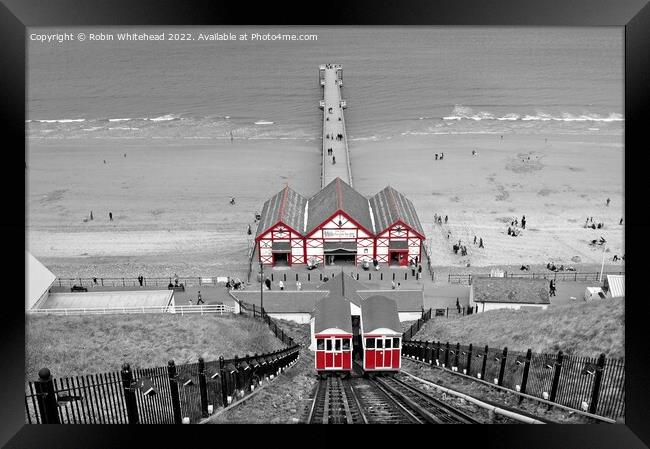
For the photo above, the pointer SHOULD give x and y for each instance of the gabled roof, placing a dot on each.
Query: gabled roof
(405, 300)
(287, 206)
(389, 206)
(39, 280)
(285, 301)
(344, 285)
(511, 290)
(335, 196)
(379, 312)
(333, 311)
(356, 292)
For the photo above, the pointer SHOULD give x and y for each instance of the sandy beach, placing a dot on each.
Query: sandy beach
(169, 197)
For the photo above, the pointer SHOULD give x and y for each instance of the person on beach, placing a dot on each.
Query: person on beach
(140, 280)
(232, 201)
(281, 285)
(475, 240)
(91, 215)
(620, 222)
(298, 285)
(480, 243)
(110, 216)
(608, 200)
(189, 301)
(333, 160)
(436, 156)
(509, 230)
(419, 271)
(231, 136)
(523, 222)
(446, 219)
(552, 288)
(104, 161)
(442, 155)
(458, 305)
(398, 285)
(199, 299)
(448, 234)
(267, 282)
(439, 220)
(615, 259)
(249, 231)
(392, 284)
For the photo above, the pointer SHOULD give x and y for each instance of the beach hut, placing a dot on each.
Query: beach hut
(491, 293)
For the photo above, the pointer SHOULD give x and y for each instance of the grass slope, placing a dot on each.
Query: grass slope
(584, 329)
(77, 345)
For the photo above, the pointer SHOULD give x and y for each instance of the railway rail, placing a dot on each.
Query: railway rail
(359, 400)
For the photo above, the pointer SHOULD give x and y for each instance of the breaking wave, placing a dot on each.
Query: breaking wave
(467, 113)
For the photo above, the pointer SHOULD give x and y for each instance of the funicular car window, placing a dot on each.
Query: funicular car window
(380, 343)
(396, 342)
(337, 344)
(370, 343)
(329, 345)
(346, 344)
(388, 345)
(320, 344)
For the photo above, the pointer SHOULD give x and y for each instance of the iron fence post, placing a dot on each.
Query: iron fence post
(129, 394)
(224, 382)
(203, 388)
(46, 398)
(485, 356)
(556, 376)
(468, 365)
(524, 378)
(173, 388)
(598, 376)
(502, 370)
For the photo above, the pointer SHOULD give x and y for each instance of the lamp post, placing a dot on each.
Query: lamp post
(261, 285)
(602, 265)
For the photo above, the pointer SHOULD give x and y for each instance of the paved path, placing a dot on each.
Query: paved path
(337, 164)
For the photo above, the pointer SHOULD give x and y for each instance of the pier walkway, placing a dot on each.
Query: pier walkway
(335, 160)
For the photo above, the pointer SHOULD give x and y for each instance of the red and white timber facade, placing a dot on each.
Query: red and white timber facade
(338, 224)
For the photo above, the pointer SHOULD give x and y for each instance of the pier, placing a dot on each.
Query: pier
(335, 161)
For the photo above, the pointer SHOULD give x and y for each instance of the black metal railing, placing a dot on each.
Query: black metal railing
(162, 395)
(258, 312)
(415, 327)
(594, 385)
(557, 276)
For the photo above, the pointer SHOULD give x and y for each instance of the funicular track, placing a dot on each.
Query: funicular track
(381, 400)
(423, 405)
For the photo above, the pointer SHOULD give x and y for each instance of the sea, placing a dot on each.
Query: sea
(398, 81)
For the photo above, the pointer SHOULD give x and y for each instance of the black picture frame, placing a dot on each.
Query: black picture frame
(634, 15)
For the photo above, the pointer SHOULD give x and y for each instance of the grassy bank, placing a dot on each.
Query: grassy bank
(77, 345)
(584, 329)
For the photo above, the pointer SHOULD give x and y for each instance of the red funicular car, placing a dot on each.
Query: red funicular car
(332, 332)
(382, 336)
